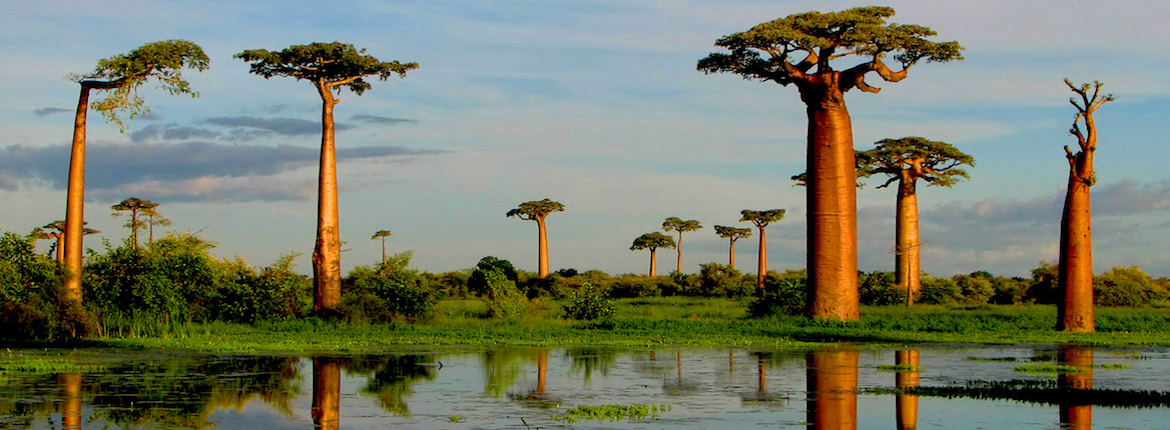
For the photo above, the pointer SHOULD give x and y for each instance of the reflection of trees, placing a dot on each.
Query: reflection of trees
(539, 398)
(763, 360)
(501, 367)
(832, 389)
(906, 378)
(678, 385)
(393, 377)
(71, 400)
(326, 393)
(1076, 415)
(588, 359)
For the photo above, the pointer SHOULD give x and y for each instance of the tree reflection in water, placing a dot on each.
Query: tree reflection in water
(538, 397)
(326, 393)
(71, 400)
(1074, 415)
(832, 389)
(763, 359)
(392, 377)
(906, 377)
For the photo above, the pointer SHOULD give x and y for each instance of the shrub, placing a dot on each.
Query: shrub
(502, 296)
(721, 280)
(391, 290)
(1126, 286)
(589, 303)
(939, 291)
(1043, 286)
(477, 281)
(786, 296)
(631, 286)
(878, 288)
(974, 290)
(1008, 291)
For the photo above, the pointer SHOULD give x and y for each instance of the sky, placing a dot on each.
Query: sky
(597, 105)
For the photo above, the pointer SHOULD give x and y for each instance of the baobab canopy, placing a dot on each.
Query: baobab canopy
(338, 64)
(124, 73)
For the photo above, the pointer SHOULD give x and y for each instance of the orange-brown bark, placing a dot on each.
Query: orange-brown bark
(762, 264)
(71, 401)
(1072, 416)
(653, 265)
(541, 371)
(542, 251)
(327, 251)
(326, 393)
(75, 202)
(907, 377)
(762, 371)
(832, 389)
(731, 254)
(832, 201)
(907, 260)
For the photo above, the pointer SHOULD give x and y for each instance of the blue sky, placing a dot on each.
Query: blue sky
(595, 104)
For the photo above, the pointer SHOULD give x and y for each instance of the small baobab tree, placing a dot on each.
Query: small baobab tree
(733, 234)
(761, 219)
(905, 161)
(134, 208)
(153, 218)
(382, 234)
(537, 210)
(803, 50)
(1075, 278)
(652, 241)
(331, 68)
(56, 231)
(677, 224)
(120, 76)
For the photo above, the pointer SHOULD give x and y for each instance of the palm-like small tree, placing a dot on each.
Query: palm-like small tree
(382, 234)
(56, 231)
(733, 234)
(652, 241)
(135, 208)
(538, 210)
(677, 224)
(761, 219)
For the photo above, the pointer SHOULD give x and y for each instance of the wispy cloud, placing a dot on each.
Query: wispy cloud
(46, 111)
(243, 128)
(375, 119)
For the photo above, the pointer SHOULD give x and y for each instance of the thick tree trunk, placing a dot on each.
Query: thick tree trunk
(327, 252)
(679, 249)
(731, 254)
(653, 265)
(907, 377)
(1076, 416)
(75, 202)
(542, 252)
(832, 202)
(1075, 310)
(762, 264)
(832, 389)
(907, 262)
(326, 393)
(59, 247)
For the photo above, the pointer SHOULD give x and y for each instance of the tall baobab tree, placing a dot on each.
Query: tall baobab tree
(734, 234)
(905, 161)
(677, 224)
(652, 241)
(537, 210)
(134, 208)
(761, 219)
(1075, 278)
(120, 76)
(153, 218)
(800, 49)
(330, 67)
(56, 230)
(382, 234)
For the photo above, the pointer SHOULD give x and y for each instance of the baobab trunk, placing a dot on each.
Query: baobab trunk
(326, 393)
(731, 255)
(653, 265)
(75, 202)
(1076, 416)
(60, 247)
(1076, 258)
(907, 273)
(327, 252)
(832, 389)
(762, 264)
(71, 405)
(832, 202)
(679, 249)
(907, 377)
(542, 252)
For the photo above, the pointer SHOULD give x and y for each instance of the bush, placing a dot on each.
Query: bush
(389, 291)
(785, 296)
(878, 288)
(1043, 286)
(631, 286)
(502, 296)
(721, 280)
(589, 304)
(1008, 291)
(477, 281)
(1127, 286)
(974, 290)
(939, 291)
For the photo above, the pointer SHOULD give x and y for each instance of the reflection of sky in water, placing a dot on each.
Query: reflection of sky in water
(711, 389)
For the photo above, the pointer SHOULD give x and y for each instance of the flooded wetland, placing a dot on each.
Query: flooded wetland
(972, 387)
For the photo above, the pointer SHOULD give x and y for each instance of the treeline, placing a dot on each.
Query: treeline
(159, 288)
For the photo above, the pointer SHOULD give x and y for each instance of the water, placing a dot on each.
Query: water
(522, 388)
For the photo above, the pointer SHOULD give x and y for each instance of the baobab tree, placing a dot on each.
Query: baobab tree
(677, 224)
(905, 161)
(330, 67)
(734, 234)
(652, 241)
(773, 51)
(382, 234)
(537, 210)
(56, 231)
(761, 219)
(153, 218)
(134, 208)
(1075, 278)
(120, 76)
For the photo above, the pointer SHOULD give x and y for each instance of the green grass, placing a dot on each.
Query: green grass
(674, 321)
(613, 412)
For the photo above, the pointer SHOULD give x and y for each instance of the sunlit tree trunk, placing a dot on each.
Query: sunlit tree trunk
(908, 273)
(75, 202)
(832, 202)
(653, 265)
(678, 267)
(327, 252)
(731, 255)
(762, 263)
(832, 389)
(71, 401)
(1072, 416)
(326, 393)
(542, 252)
(1076, 259)
(907, 404)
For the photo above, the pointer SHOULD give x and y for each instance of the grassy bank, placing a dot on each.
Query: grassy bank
(685, 322)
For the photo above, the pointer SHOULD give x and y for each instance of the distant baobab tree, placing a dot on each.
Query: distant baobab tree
(330, 67)
(761, 219)
(382, 234)
(56, 230)
(120, 75)
(652, 241)
(905, 161)
(677, 224)
(153, 218)
(1075, 278)
(800, 49)
(134, 208)
(734, 234)
(537, 210)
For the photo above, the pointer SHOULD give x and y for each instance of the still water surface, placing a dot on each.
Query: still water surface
(521, 388)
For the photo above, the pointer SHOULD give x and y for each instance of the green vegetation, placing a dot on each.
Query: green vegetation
(612, 412)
